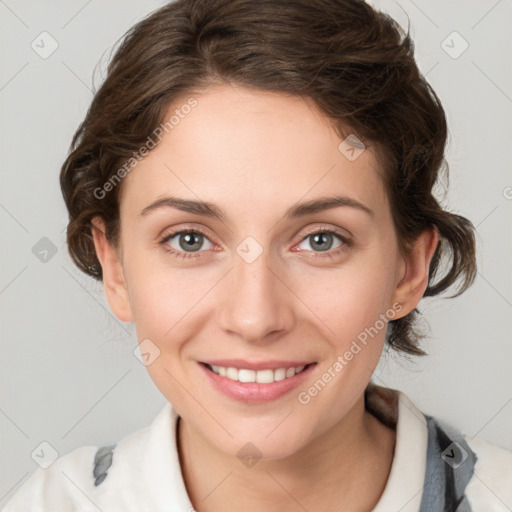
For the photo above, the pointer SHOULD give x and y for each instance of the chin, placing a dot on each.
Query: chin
(249, 451)
(251, 440)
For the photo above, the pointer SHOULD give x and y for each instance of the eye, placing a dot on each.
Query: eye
(322, 240)
(186, 243)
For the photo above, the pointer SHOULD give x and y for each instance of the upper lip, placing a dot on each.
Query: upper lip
(256, 365)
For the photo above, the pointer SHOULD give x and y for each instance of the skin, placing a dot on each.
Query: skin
(255, 154)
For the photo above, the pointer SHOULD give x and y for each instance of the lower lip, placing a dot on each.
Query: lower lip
(254, 392)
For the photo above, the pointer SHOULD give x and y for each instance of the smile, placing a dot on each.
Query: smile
(256, 383)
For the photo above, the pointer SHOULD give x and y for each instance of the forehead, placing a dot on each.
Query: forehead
(250, 149)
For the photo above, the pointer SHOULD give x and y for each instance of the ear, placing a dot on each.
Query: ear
(113, 274)
(414, 271)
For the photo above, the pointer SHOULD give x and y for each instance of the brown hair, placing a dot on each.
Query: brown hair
(354, 62)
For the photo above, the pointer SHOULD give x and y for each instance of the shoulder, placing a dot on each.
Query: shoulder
(466, 472)
(453, 470)
(492, 477)
(114, 477)
(74, 481)
(64, 485)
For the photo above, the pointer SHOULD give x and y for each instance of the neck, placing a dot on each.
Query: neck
(352, 460)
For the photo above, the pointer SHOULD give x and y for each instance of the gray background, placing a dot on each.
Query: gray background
(68, 373)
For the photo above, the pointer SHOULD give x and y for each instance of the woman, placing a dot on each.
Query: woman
(253, 185)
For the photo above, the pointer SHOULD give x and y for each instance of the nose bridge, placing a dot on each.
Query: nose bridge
(256, 302)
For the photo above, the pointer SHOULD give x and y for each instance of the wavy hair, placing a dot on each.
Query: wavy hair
(357, 65)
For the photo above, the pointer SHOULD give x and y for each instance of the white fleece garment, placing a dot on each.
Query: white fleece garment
(145, 475)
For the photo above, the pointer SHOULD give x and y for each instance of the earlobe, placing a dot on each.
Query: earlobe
(113, 274)
(413, 283)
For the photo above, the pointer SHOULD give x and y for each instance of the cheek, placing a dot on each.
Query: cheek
(352, 298)
(165, 299)
(169, 302)
(170, 306)
(352, 307)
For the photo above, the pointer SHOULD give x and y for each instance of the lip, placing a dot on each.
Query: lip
(254, 392)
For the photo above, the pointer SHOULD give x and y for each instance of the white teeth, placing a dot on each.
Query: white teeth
(246, 375)
(260, 376)
(280, 374)
(265, 376)
(232, 373)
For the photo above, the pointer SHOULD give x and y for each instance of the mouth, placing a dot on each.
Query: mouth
(256, 382)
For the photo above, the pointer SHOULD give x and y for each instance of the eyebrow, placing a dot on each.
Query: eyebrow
(211, 210)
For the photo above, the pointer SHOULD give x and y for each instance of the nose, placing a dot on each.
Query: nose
(256, 302)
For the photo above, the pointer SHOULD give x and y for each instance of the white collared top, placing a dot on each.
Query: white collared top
(434, 468)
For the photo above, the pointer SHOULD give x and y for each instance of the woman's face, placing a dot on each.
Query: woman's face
(272, 281)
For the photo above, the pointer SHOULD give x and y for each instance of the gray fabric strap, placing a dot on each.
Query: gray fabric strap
(450, 466)
(102, 461)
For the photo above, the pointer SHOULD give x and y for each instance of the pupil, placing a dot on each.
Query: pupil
(190, 241)
(322, 245)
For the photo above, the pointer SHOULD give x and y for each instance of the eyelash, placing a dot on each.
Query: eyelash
(347, 243)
